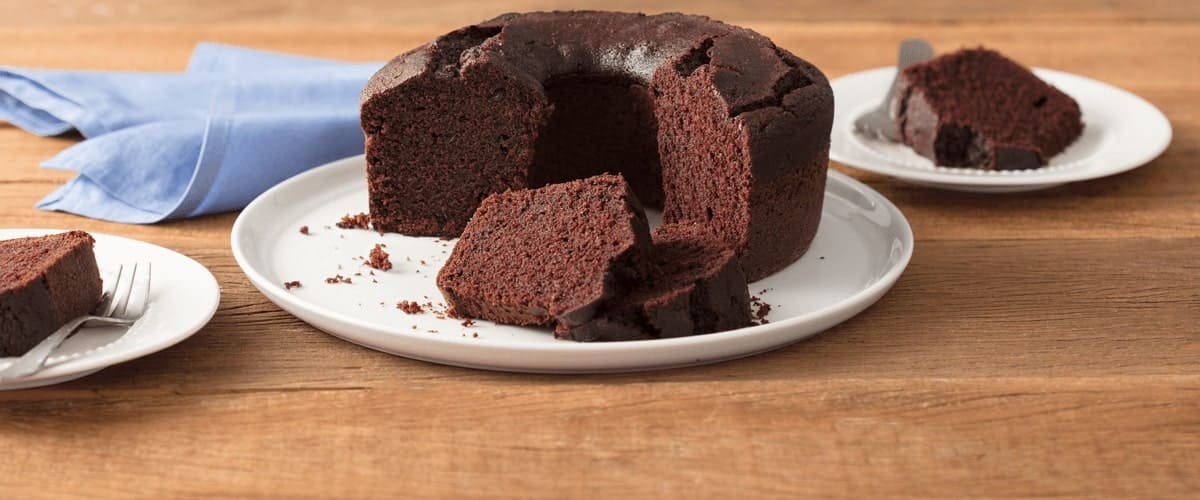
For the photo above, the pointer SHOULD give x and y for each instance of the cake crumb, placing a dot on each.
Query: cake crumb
(338, 279)
(379, 258)
(304, 230)
(475, 334)
(423, 263)
(760, 310)
(357, 221)
(410, 307)
(468, 322)
(292, 284)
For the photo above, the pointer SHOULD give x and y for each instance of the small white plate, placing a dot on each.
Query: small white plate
(862, 246)
(1121, 132)
(183, 297)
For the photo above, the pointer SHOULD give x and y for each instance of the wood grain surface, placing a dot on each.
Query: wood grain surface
(1041, 344)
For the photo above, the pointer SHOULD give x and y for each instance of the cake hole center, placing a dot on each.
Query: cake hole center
(601, 123)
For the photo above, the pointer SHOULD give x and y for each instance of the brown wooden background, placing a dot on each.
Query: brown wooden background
(1042, 344)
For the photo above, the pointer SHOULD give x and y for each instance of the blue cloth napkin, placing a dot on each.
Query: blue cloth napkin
(172, 145)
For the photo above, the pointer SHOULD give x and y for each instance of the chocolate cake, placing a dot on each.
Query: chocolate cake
(44, 282)
(712, 122)
(694, 286)
(549, 256)
(976, 108)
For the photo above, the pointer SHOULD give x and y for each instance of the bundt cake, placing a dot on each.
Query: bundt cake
(713, 123)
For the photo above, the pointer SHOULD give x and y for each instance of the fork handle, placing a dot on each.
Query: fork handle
(32, 361)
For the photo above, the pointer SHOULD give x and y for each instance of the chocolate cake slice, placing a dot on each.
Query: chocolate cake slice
(694, 286)
(549, 256)
(44, 282)
(976, 108)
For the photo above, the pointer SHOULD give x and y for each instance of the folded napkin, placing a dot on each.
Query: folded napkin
(171, 145)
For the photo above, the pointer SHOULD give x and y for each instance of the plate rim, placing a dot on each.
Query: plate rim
(88, 364)
(948, 179)
(274, 292)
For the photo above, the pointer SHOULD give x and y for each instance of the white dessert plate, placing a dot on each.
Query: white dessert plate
(183, 297)
(863, 245)
(1121, 132)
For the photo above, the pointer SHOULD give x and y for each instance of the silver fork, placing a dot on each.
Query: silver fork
(123, 302)
(878, 122)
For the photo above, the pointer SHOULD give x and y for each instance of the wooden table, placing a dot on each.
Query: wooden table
(1042, 344)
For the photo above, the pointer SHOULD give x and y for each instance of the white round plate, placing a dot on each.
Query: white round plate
(862, 246)
(183, 297)
(1121, 132)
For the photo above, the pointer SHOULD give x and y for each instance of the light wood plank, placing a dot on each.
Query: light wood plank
(460, 12)
(846, 438)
